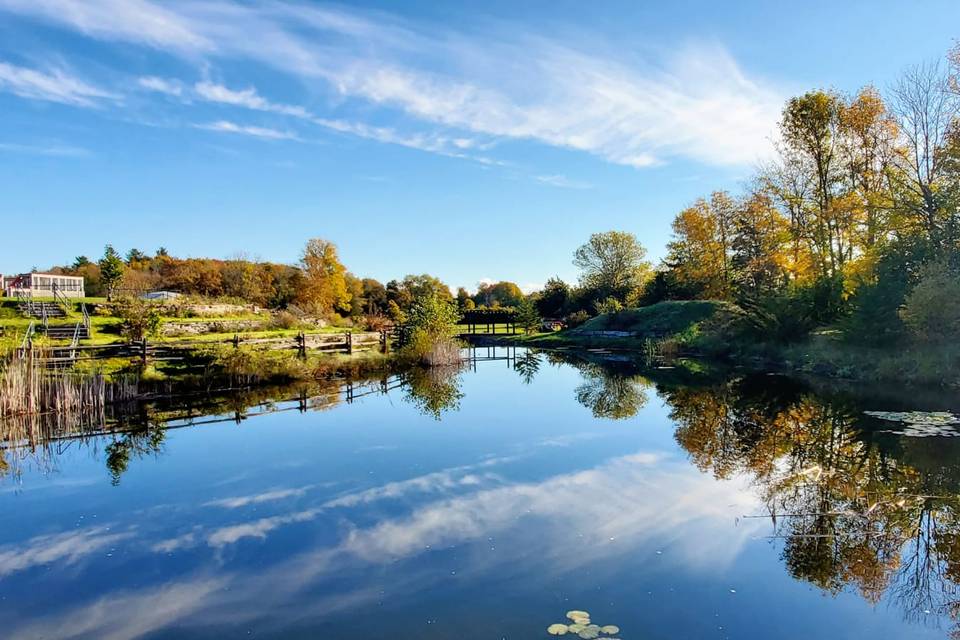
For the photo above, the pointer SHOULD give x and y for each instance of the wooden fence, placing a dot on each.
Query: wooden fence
(146, 351)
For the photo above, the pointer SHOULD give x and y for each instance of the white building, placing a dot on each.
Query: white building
(43, 285)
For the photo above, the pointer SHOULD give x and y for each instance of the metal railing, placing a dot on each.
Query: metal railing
(59, 297)
(86, 317)
(75, 341)
(26, 300)
(26, 343)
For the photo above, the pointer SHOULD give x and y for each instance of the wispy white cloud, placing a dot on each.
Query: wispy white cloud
(64, 548)
(247, 98)
(562, 181)
(691, 101)
(55, 85)
(258, 528)
(250, 98)
(226, 126)
(137, 21)
(258, 498)
(161, 85)
(126, 614)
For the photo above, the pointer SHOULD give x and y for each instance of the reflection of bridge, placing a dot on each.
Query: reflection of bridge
(490, 353)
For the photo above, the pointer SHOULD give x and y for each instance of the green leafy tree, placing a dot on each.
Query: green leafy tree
(111, 270)
(932, 309)
(528, 318)
(552, 301)
(500, 294)
(432, 325)
(462, 297)
(612, 264)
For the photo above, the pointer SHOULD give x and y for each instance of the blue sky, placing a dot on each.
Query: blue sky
(469, 140)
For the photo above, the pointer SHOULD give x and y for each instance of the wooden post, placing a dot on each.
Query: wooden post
(301, 345)
(236, 341)
(349, 341)
(143, 352)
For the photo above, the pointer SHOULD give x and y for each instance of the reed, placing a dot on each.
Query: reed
(28, 388)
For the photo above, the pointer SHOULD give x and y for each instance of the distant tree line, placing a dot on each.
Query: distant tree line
(318, 284)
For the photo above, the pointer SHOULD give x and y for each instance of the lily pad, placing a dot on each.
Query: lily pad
(557, 629)
(610, 629)
(577, 614)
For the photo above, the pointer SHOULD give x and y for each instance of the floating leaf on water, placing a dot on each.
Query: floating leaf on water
(577, 614)
(917, 417)
(557, 629)
(610, 629)
(589, 633)
(576, 628)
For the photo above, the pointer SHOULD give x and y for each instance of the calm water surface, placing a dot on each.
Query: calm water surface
(487, 504)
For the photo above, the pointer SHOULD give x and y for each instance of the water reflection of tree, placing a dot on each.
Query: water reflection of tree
(434, 390)
(852, 509)
(527, 366)
(134, 444)
(609, 394)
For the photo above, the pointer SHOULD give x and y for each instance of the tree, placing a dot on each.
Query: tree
(462, 297)
(502, 294)
(376, 296)
(925, 111)
(698, 251)
(324, 287)
(111, 270)
(140, 318)
(412, 287)
(553, 299)
(867, 152)
(932, 309)
(810, 129)
(355, 291)
(79, 262)
(612, 264)
(760, 238)
(135, 257)
(528, 318)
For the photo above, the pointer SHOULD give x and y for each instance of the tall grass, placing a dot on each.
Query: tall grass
(27, 388)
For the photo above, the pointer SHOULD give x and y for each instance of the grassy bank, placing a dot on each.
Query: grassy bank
(721, 331)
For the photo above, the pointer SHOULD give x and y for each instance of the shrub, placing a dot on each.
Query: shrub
(608, 305)
(932, 309)
(576, 318)
(377, 322)
(284, 320)
(139, 319)
(432, 323)
(341, 322)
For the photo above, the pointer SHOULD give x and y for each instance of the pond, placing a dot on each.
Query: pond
(488, 503)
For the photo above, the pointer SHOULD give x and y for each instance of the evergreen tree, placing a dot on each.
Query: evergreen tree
(111, 270)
